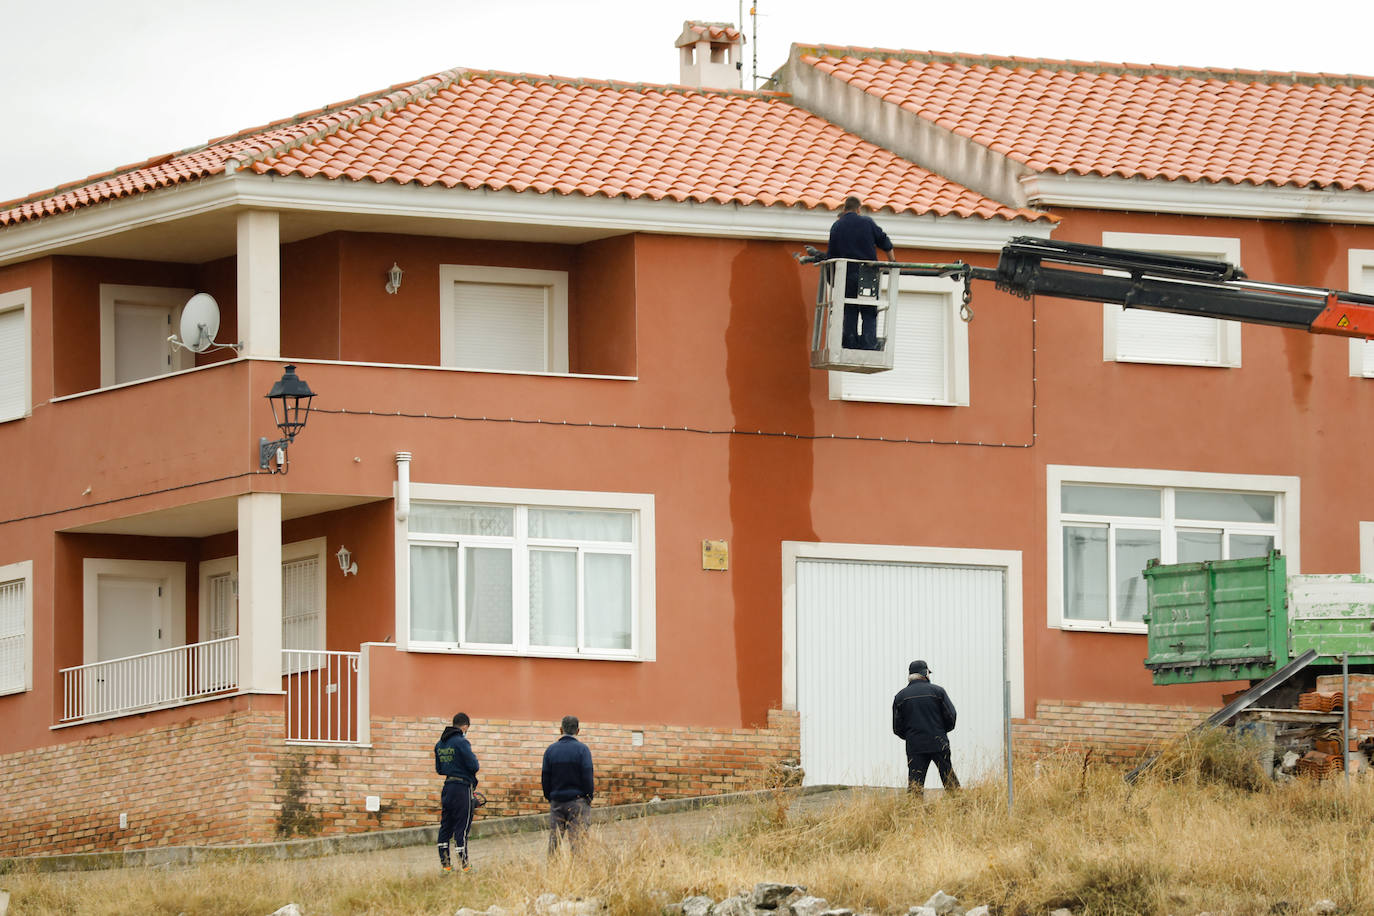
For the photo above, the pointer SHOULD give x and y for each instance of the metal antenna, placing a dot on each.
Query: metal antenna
(754, 37)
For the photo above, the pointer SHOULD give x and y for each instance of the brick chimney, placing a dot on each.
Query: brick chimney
(712, 55)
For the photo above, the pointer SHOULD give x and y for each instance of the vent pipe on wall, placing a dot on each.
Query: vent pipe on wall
(402, 486)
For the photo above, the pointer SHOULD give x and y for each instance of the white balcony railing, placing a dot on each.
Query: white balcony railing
(167, 677)
(324, 696)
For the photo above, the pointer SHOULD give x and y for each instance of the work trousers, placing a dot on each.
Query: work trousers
(455, 819)
(568, 818)
(918, 764)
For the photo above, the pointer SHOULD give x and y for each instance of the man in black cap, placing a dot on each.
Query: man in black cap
(855, 235)
(923, 715)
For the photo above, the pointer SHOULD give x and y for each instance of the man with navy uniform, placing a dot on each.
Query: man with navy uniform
(923, 715)
(854, 235)
(455, 761)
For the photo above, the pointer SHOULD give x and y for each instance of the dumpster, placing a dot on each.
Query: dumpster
(1237, 620)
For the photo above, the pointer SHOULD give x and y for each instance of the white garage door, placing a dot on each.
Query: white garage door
(859, 624)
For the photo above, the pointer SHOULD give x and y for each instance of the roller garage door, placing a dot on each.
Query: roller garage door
(858, 625)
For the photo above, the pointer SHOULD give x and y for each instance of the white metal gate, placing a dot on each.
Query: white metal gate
(859, 624)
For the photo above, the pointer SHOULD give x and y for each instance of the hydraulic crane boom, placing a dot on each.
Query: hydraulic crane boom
(1164, 283)
(1188, 286)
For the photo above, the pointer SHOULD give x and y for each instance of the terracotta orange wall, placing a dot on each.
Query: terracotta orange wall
(602, 322)
(310, 297)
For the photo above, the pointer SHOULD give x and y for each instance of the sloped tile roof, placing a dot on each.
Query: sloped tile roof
(549, 134)
(1131, 120)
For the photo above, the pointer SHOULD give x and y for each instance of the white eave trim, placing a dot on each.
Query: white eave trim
(1200, 198)
(320, 195)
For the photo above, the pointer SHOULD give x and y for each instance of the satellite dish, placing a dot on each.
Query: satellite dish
(199, 322)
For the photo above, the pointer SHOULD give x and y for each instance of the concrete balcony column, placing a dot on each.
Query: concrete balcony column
(259, 283)
(260, 608)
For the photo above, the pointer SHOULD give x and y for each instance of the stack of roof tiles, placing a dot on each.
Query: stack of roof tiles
(1316, 765)
(1318, 701)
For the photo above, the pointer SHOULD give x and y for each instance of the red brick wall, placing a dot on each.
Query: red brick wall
(1361, 700)
(232, 779)
(1116, 732)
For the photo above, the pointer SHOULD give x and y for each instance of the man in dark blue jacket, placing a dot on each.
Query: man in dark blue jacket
(568, 784)
(854, 235)
(923, 714)
(455, 761)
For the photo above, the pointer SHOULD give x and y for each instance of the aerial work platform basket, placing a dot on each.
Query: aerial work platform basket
(869, 292)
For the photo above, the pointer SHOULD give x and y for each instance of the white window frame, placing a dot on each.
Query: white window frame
(22, 572)
(1287, 491)
(841, 384)
(1196, 246)
(296, 550)
(162, 296)
(643, 586)
(22, 299)
(1360, 260)
(174, 608)
(555, 283)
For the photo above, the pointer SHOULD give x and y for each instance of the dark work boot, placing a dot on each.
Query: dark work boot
(444, 861)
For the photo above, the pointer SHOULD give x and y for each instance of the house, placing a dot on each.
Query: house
(565, 453)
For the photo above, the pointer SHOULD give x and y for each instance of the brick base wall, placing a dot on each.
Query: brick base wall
(232, 778)
(1116, 732)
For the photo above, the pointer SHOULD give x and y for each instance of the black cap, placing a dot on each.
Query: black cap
(918, 667)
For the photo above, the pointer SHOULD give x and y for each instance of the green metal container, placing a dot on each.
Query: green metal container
(1237, 620)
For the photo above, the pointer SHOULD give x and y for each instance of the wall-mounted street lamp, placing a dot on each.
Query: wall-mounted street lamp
(290, 398)
(393, 278)
(345, 558)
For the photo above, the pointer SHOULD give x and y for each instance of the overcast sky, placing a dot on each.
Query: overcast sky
(90, 85)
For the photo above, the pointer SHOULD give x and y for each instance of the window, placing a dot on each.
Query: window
(1106, 524)
(500, 318)
(16, 625)
(302, 598)
(562, 574)
(1144, 336)
(135, 322)
(1361, 281)
(930, 365)
(14, 354)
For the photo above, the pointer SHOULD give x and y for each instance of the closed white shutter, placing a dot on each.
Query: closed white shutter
(1159, 337)
(921, 368)
(500, 326)
(301, 610)
(14, 640)
(1366, 285)
(14, 365)
(223, 612)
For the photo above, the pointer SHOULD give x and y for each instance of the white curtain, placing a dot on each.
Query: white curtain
(581, 525)
(553, 598)
(607, 600)
(433, 593)
(487, 594)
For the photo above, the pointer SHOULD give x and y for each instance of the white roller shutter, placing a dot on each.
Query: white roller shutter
(859, 624)
(14, 637)
(921, 367)
(500, 326)
(1159, 337)
(14, 364)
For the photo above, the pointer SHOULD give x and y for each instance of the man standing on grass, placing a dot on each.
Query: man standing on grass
(568, 785)
(923, 715)
(455, 761)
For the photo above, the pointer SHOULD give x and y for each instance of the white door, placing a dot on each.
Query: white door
(859, 624)
(141, 347)
(132, 621)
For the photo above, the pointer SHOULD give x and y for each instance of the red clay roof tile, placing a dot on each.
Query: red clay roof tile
(1129, 120)
(511, 131)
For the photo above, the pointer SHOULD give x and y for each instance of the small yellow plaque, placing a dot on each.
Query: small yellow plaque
(715, 554)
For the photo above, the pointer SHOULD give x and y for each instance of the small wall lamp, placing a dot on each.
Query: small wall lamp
(346, 563)
(393, 278)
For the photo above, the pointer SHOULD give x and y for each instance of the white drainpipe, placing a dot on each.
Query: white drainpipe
(402, 486)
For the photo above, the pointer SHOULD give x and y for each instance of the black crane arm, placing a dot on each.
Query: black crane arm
(1164, 283)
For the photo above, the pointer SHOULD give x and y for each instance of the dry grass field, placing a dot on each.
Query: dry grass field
(1202, 831)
